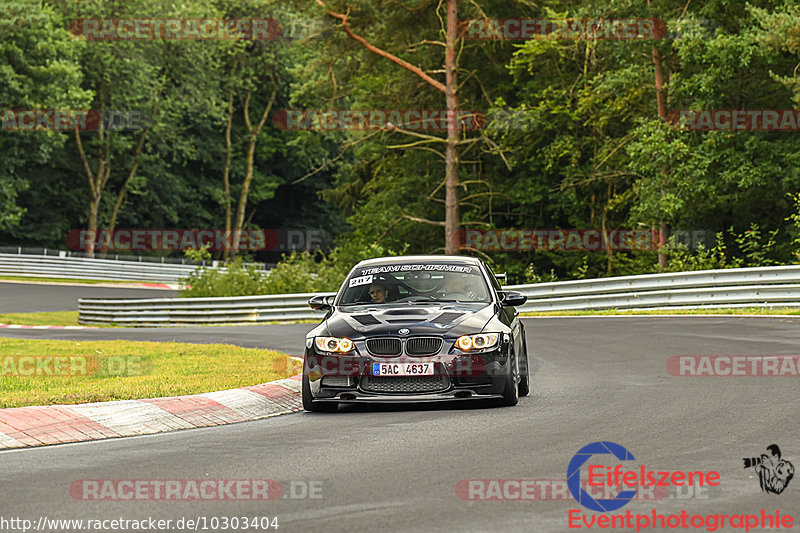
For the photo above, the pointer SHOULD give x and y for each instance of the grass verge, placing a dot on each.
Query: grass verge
(46, 372)
(52, 318)
(709, 311)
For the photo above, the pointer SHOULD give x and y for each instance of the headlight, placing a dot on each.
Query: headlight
(333, 344)
(481, 341)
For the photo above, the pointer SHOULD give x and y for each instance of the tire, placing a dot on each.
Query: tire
(524, 378)
(309, 404)
(511, 391)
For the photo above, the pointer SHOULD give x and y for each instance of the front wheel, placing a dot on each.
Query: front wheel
(308, 402)
(524, 378)
(511, 392)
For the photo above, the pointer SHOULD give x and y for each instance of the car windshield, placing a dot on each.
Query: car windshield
(415, 283)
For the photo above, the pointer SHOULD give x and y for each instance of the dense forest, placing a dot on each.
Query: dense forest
(293, 125)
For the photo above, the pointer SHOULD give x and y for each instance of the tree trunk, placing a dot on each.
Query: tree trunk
(121, 195)
(451, 217)
(251, 150)
(609, 248)
(94, 207)
(226, 183)
(97, 180)
(248, 179)
(662, 114)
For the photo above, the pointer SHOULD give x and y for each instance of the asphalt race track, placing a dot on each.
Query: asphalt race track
(288, 338)
(392, 468)
(36, 297)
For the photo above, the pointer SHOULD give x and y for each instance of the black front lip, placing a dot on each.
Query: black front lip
(358, 396)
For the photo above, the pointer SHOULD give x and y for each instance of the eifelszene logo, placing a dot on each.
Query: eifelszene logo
(615, 477)
(574, 476)
(774, 473)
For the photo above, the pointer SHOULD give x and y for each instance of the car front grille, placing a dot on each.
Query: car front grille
(384, 346)
(423, 345)
(405, 383)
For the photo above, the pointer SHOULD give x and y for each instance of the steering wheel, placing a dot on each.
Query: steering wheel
(411, 290)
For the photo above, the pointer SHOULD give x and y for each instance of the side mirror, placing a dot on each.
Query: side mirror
(321, 303)
(512, 298)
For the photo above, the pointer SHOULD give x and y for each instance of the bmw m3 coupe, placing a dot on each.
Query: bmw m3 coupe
(416, 329)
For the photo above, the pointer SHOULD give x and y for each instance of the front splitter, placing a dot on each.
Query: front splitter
(361, 397)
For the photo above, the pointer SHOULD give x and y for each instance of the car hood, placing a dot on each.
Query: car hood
(449, 319)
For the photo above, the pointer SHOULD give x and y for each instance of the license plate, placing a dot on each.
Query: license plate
(402, 369)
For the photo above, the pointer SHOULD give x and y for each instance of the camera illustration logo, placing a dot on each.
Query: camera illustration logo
(574, 476)
(774, 473)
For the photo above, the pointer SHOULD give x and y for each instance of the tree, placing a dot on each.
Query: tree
(248, 64)
(40, 71)
(450, 90)
(153, 85)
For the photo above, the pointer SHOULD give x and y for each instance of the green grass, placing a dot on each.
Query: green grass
(709, 311)
(53, 318)
(124, 370)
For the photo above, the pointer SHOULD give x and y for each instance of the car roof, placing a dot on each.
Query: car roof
(420, 258)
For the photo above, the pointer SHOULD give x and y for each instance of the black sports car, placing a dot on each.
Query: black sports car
(418, 329)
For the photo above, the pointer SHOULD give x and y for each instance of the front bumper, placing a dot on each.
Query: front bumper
(349, 379)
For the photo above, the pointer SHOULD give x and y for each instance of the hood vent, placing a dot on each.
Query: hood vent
(446, 318)
(367, 320)
(406, 312)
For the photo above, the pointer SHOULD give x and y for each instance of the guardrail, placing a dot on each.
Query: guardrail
(63, 266)
(735, 287)
(197, 311)
(740, 287)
